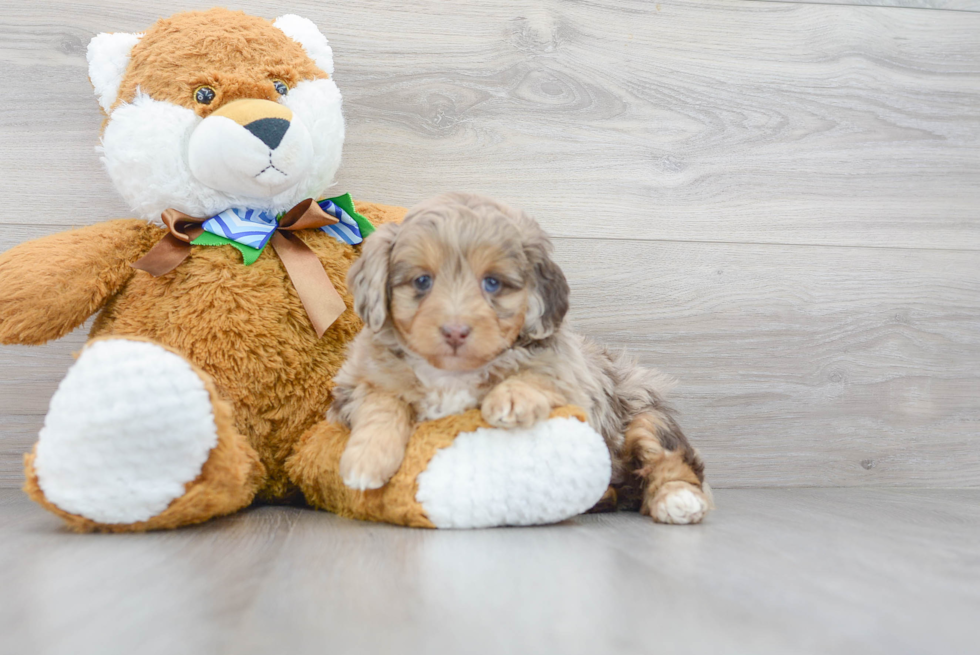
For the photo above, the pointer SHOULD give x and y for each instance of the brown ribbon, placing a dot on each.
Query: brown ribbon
(319, 297)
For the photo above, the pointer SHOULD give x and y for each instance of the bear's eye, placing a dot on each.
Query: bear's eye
(204, 95)
(281, 87)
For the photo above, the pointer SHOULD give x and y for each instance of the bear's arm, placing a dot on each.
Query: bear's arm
(379, 214)
(49, 286)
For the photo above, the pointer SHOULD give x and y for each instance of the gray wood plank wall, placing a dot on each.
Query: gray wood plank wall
(949, 5)
(778, 203)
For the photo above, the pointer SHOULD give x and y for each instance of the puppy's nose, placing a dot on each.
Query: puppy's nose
(269, 130)
(455, 334)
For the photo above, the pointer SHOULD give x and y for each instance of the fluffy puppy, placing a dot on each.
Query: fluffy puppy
(463, 307)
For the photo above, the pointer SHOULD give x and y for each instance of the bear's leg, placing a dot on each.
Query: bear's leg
(136, 439)
(458, 472)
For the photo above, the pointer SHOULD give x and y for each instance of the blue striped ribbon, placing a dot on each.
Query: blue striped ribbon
(254, 228)
(347, 230)
(249, 227)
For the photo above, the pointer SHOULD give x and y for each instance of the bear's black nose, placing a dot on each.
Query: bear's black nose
(269, 130)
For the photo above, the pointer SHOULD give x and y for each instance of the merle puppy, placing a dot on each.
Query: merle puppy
(463, 307)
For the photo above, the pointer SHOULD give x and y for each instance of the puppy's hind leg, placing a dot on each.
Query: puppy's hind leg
(671, 470)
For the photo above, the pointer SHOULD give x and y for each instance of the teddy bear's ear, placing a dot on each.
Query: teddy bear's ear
(303, 31)
(108, 57)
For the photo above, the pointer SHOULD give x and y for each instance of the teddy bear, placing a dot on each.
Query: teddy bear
(222, 311)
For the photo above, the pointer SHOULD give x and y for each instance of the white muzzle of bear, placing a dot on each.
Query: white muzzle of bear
(251, 147)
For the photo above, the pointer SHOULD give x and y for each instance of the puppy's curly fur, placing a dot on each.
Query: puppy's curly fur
(463, 307)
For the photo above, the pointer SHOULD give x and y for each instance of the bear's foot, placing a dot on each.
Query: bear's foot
(545, 473)
(458, 472)
(136, 438)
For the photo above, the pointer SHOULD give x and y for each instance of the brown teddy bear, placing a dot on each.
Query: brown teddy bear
(223, 311)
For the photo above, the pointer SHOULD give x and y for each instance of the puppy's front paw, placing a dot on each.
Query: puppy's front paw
(514, 404)
(368, 464)
(678, 503)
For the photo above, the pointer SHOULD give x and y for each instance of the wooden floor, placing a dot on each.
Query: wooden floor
(774, 571)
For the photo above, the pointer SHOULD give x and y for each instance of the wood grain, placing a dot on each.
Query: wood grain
(775, 202)
(772, 571)
(800, 366)
(164, 593)
(806, 366)
(947, 5)
(17, 436)
(701, 120)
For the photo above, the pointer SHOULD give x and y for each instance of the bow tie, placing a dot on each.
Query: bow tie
(249, 231)
(253, 228)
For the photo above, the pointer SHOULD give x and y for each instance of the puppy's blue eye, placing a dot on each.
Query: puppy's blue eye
(491, 284)
(281, 87)
(422, 283)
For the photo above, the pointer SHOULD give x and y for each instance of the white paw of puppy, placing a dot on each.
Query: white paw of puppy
(514, 404)
(366, 466)
(679, 503)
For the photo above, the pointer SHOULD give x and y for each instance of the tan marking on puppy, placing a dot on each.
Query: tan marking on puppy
(380, 428)
(451, 302)
(670, 467)
(177, 56)
(641, 438)
(464, 308)
(455, 299)
(666, 473)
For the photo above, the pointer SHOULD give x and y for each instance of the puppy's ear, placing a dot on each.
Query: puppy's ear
(367, 278)
(548, 299)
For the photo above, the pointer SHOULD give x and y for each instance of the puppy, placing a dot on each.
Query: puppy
(463, 307)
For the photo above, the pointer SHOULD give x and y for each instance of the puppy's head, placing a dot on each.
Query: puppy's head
(460, 280)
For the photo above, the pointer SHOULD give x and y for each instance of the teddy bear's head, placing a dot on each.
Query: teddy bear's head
(216, 109)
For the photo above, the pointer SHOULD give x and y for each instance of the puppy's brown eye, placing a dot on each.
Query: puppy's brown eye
(204, 95)
(422, 283)
(491, 284)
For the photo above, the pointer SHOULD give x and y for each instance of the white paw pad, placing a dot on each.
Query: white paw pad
(681, 506)
(128, 427)
(547, 473)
